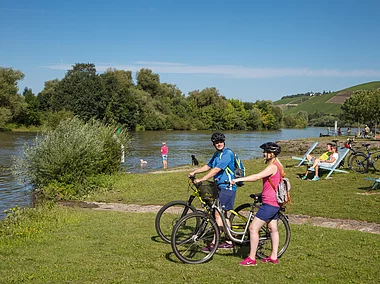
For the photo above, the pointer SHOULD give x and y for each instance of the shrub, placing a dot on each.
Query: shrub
(68, 155)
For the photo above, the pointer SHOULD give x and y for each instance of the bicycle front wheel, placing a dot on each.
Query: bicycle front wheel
(265, 244)
(193, 236)
(359, 163)
(169, 215)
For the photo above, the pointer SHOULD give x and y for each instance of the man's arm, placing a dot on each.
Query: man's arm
(209, 175)
(205, 168)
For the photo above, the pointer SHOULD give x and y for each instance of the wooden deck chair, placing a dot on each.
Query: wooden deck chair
(376, 181)
(303, 159)
(342, 153)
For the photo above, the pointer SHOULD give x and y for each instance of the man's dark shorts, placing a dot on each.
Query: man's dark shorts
(227, 199)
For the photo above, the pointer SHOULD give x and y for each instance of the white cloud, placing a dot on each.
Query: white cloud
(229, 70)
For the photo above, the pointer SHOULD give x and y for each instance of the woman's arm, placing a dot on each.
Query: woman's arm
(268, 171)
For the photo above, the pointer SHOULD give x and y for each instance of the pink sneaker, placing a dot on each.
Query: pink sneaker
(248, 262)
(268, 259)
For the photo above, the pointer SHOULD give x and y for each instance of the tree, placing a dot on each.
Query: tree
(356, 108)
(121, 105)
(32, 114)
(148, 82)
(48, 94)
(81, 92)
(12, 104)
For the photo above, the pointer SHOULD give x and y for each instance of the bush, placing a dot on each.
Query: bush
(70, 154)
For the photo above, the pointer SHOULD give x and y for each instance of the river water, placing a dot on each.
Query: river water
(146, 146)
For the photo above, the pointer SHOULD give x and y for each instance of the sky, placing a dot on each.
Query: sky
(248, 50)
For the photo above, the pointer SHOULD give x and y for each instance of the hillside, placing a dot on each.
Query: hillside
(328, 103)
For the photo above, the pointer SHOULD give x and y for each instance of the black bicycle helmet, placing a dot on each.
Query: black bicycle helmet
(271, 147)
(217, 136)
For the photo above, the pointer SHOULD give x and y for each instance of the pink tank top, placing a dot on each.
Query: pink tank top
(164, 150)
(268, 193)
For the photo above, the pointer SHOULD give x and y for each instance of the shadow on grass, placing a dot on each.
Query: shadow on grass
(157, 239)
(172, 258)
(368, 189)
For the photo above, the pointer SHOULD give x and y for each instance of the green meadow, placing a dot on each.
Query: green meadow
(56, 244)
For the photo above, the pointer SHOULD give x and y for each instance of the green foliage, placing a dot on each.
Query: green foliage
(52, 119)
(121, 105)
(362, 106)
(31, 115)
(12, 104)
(48, 95)
(80, 91)
(70, 154)
(5, 116)
(297, 120)
(24, 223)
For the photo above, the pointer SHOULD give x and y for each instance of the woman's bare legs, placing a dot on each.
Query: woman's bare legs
(275, 238)
(254, 229)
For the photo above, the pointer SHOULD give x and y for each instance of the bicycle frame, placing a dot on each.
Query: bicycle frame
(216, 207)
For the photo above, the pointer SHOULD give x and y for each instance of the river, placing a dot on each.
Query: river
(144, 145)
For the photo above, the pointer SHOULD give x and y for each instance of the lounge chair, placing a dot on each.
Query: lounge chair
(342, 153)
(376, 181)
(303, 159)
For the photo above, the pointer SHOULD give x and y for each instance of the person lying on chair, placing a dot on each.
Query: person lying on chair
(328, 163)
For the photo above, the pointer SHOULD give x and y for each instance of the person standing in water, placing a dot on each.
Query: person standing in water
(164, 153)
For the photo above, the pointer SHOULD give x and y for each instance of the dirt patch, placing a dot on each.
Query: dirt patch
(344, 224)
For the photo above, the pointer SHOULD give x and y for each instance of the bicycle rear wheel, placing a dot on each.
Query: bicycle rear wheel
(265, 245)
(169, 215)
(359, 163)
(191, 234)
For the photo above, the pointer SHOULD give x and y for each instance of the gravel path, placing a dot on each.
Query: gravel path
(344, 224)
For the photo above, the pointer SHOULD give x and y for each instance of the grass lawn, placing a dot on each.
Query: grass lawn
(74, 245)
(346, 196)
(87, 246)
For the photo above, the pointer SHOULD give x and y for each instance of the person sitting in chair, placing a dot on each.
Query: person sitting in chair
(327, 163)
(324, 156)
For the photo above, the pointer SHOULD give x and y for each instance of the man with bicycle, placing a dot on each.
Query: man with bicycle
(222, 160)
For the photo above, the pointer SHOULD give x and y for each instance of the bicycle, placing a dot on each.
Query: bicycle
(361, 162)
(198, 230)
(173, 211)
(347, 144)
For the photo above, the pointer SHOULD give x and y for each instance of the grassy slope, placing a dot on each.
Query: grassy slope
(320, 102)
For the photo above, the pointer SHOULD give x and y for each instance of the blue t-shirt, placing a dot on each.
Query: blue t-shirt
(224, 160)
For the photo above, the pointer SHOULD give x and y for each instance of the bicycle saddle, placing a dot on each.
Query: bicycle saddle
(366, 145)
(256, 197)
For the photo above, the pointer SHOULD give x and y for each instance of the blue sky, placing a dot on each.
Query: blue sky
(248, 50)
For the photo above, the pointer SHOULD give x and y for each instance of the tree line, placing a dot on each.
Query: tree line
(114, 97)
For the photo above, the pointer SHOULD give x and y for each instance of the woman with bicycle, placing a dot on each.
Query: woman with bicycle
(268, 211)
